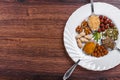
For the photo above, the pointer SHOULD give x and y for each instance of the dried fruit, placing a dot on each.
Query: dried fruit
(106, 27)
(99, 30)
(105, 23)
(100, 16)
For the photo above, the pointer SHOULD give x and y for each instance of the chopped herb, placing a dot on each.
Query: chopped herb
(96, 36)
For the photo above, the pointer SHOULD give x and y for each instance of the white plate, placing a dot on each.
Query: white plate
(91, 63)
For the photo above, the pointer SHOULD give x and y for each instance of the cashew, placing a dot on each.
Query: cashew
(84, 39)
(79, 43)
(89, 37)
(78, 36)
(82, 33)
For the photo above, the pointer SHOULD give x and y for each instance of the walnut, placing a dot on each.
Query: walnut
(87, 30)
(79, 29)
(84, 24)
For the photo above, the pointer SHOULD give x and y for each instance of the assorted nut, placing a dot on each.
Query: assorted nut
(84, 27)
(82, 38)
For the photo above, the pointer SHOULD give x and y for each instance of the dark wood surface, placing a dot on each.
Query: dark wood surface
(31, 41)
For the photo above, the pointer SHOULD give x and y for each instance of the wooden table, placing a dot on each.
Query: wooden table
(31, 41)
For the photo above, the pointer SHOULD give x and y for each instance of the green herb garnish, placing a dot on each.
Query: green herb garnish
(96, 36)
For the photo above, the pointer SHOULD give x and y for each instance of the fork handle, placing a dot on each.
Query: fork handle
(70, 71)
(92, 6)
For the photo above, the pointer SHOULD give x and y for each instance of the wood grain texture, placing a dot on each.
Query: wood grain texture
(31, 41)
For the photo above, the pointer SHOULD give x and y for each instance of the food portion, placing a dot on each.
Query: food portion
(105, 23)
(99, 51)
(111, 33)
(79, 43)
(108, 43)
(97, 35)
(82, 38)
(83, 28)
(94, 22)
(89, 48)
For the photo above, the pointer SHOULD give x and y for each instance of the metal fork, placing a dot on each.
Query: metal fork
(70, 71)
